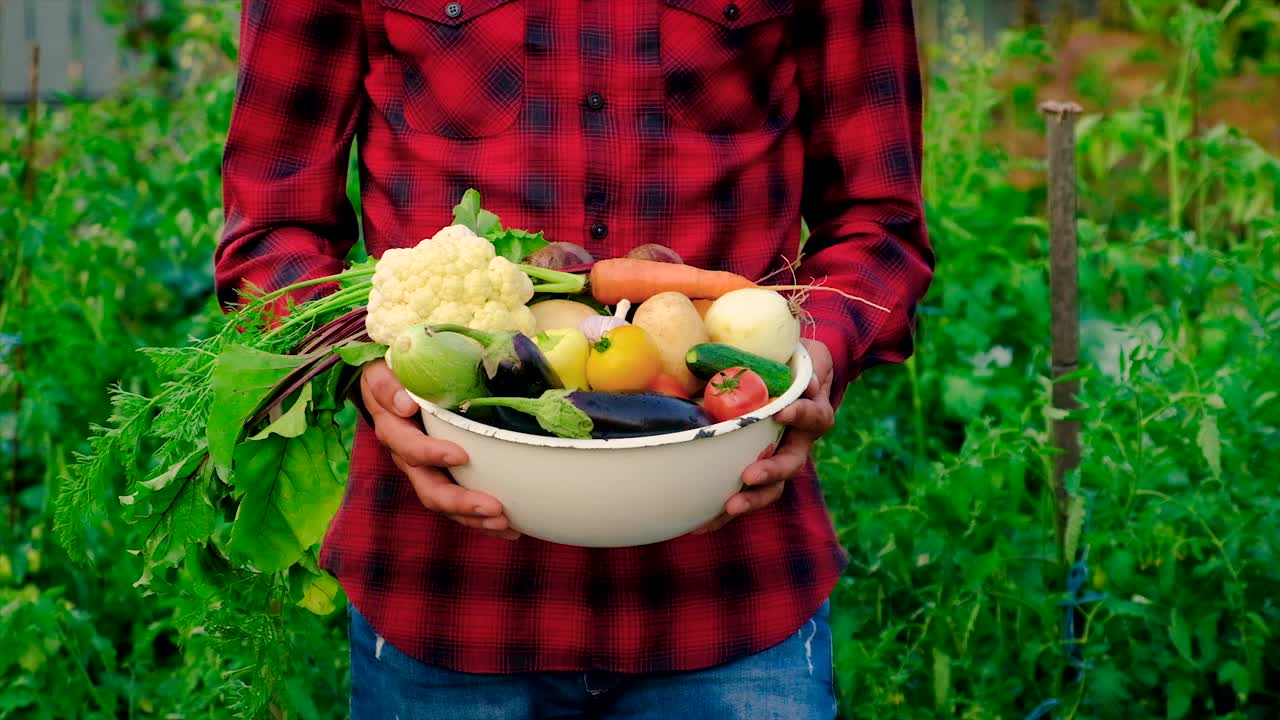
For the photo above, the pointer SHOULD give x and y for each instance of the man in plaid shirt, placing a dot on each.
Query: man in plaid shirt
(710, 126)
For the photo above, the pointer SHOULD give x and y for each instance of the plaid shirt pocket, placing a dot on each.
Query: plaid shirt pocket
(462, 63)
(728, 65)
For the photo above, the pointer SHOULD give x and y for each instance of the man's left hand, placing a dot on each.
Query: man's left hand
(807, 419)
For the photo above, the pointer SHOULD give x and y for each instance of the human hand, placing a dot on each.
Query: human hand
(807, 419)
(422, 458)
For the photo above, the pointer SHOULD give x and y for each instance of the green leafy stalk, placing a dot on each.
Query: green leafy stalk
(468, 212)
(358, 353)
(217, 393)
(515, 245)
(289, 486)
(919, 459)
(553, 410)
(484, 337)
(555, 282)
(214, 392)
(1173, 141)
(234, 464)
(241, 380)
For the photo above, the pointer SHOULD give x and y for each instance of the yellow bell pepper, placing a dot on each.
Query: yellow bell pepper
(566, 349)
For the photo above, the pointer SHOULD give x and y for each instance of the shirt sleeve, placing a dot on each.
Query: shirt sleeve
(297, 103)
(861, 115)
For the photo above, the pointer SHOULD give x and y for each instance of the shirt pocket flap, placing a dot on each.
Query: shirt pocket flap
(735, 13)
(445, 12)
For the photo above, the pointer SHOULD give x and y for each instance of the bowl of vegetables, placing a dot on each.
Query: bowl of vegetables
(609, 430)
(604, 402)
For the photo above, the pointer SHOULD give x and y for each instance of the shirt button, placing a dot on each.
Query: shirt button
(732, 11)
(595, 101)
(599, 231)
(453, 9)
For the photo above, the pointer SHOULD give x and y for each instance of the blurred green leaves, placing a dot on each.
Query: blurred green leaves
(938, 472)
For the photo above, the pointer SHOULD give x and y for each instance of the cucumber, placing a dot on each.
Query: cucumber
(707, 359)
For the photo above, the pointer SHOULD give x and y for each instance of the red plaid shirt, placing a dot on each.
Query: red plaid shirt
(707, 125)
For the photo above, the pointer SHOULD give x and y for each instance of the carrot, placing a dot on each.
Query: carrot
(615, 279)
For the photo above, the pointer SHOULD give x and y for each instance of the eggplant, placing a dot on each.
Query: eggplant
(514, 364)
(619, 414)
(510, 419)
(601, 415)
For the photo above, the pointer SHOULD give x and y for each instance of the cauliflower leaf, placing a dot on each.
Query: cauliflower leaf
(513, 244)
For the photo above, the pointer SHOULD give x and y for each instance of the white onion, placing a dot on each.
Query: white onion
(756, 320)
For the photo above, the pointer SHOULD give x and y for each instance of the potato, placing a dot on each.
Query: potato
(551, 314)
(673, 322)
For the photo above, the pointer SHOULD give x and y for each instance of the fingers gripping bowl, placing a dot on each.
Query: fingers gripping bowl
(615, 492)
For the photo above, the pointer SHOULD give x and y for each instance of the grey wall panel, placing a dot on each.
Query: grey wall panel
(53, 32)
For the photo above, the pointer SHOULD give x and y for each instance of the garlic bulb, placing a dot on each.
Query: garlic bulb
(595, 326)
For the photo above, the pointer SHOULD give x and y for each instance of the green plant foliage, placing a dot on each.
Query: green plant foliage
(938, 475)
(116, 237)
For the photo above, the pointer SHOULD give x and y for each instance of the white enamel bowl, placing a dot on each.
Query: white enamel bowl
(613, 493)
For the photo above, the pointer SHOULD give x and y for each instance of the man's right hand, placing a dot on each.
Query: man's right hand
(421, 457)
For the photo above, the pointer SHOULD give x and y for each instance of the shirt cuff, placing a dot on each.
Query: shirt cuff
(847, 329)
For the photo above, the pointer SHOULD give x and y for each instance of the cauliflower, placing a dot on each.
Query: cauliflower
(452, 277)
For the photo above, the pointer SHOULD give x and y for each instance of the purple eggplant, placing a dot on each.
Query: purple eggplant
(600, 415)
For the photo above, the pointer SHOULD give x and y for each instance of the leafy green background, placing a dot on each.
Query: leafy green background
(938, 474)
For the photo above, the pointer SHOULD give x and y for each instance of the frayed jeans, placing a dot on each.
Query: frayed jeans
(790, 681)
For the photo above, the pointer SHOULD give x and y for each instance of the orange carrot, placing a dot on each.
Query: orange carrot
(616, 279)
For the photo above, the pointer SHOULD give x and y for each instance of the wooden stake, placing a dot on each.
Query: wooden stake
(33, 105)
(1028, 13)
(1064, 292)
(19, 353)
(1114, 14)
(1063, 22)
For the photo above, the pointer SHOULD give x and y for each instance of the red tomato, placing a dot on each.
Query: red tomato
(666, 384)
(734, 392)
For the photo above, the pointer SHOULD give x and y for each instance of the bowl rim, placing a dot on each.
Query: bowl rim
(801, 363)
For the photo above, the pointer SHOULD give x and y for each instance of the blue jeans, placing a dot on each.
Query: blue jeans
(790, 681)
